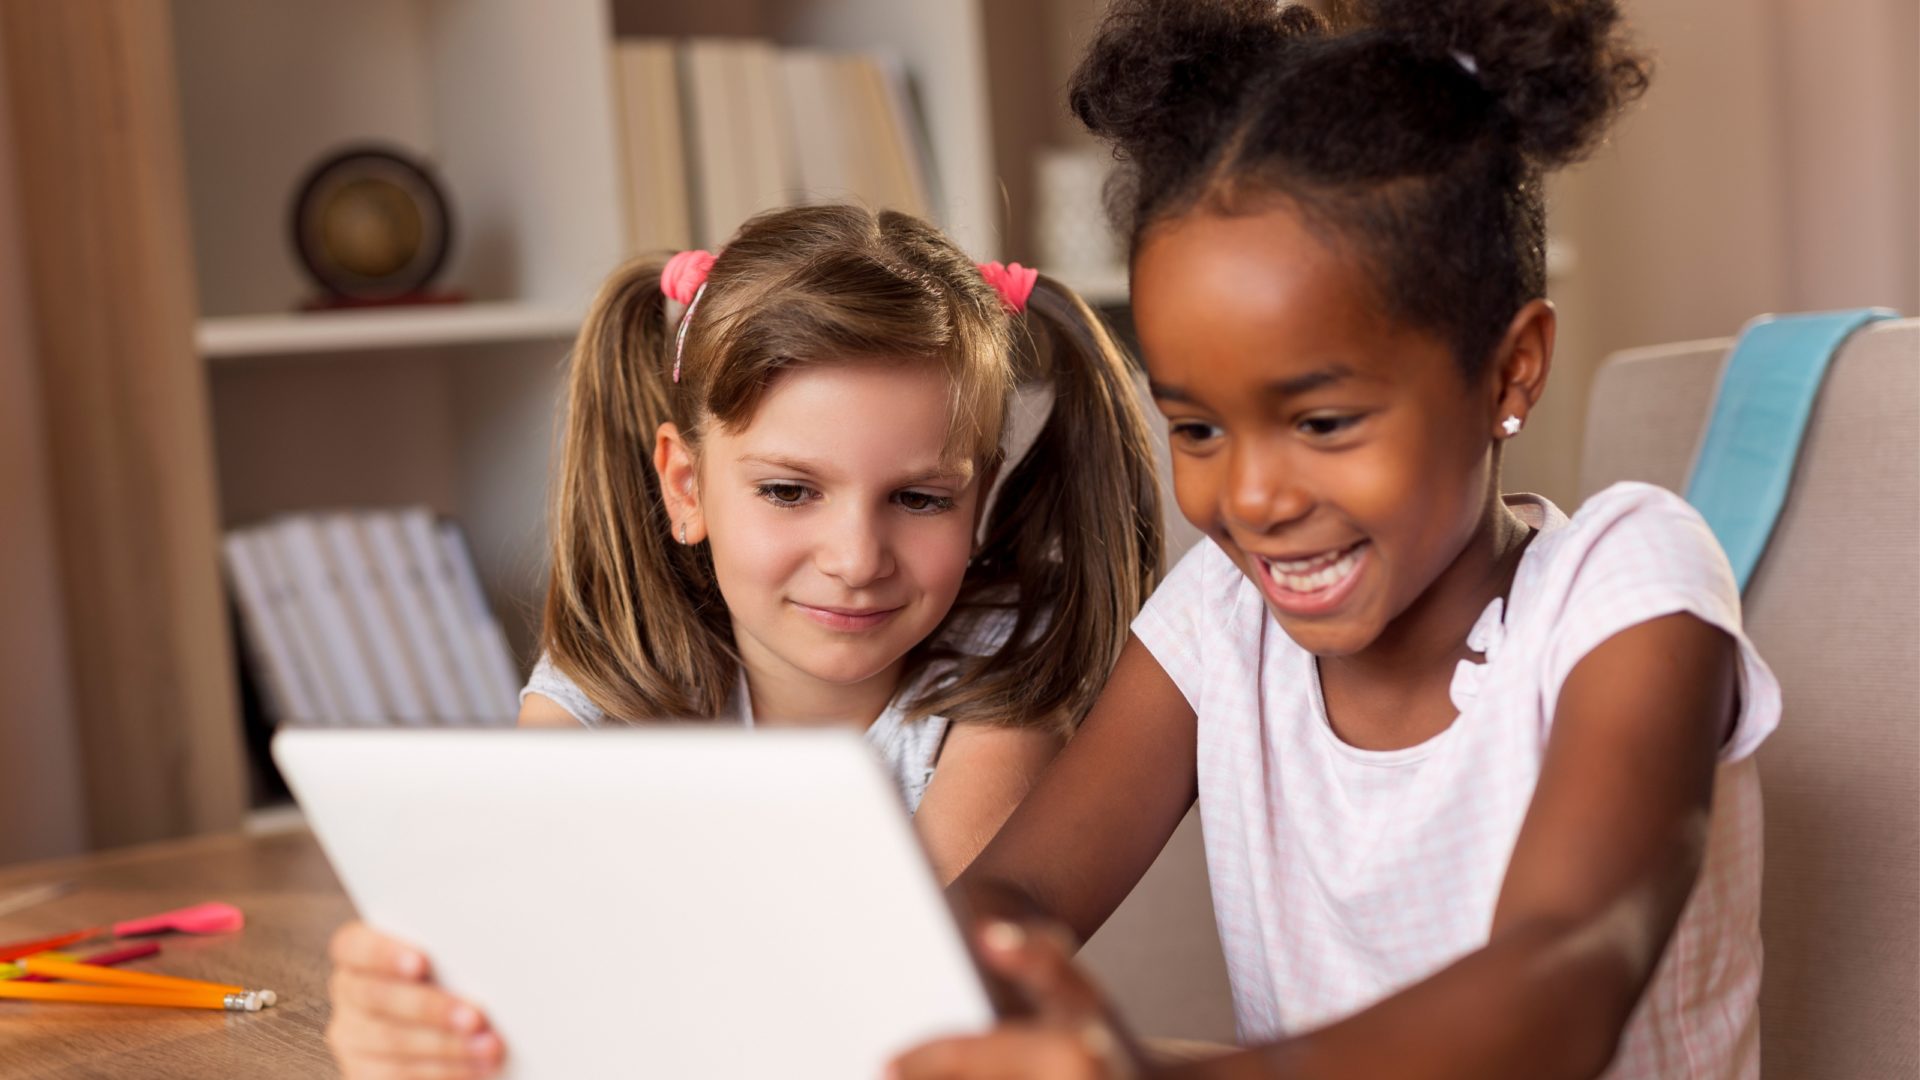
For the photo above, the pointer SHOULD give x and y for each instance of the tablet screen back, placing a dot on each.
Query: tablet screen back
(682, 902)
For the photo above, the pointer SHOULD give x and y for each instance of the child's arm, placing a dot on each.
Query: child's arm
(1100, 816)
(538, 710)
(983, 774)
(1606, 858)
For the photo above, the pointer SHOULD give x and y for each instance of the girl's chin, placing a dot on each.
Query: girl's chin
(1328, 639)
(848, 667)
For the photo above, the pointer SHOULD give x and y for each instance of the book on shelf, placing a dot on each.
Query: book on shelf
(269, 649)
(449, 608)
(369, 617)
(877, 95)
(366, 595)
(739, 153)
(412, 604)
(822, 137)
(760, 126)
(321, 597)
(647, 108)
(294, 625)
(715, 130)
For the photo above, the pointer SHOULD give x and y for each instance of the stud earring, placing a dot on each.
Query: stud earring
(1511, 425)
(683, 532)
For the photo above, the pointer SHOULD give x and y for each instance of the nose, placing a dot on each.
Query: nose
(855, 549)
(1264, 491)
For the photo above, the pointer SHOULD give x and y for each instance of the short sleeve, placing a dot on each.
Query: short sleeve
(553, 684)
(1171, 623)
(1640, 553)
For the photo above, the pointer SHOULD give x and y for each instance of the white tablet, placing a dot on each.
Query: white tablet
(677, 902)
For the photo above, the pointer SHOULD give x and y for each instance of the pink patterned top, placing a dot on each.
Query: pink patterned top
(1342, 875)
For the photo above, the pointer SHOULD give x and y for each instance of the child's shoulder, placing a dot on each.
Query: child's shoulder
(1631, 553)
(1641, 505)
(1630, 535)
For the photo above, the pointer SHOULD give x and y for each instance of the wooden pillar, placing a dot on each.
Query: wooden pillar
(103, 213)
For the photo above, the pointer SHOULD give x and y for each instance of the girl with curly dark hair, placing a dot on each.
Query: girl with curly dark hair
(1475, 777)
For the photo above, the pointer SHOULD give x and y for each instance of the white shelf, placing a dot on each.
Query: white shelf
(249, 337)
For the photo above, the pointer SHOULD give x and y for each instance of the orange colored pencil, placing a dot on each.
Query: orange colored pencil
(129, 995)
(105, 976)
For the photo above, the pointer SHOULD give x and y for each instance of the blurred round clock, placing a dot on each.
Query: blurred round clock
(372, 225)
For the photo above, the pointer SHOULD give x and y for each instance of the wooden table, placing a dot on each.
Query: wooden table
(292, 903)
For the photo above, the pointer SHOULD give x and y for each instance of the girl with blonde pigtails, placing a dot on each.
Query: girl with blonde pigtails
(784, 500)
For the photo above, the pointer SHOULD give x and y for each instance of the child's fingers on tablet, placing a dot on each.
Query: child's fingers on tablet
(368, 1043)
(357, 945)
(414, 1004)
(360, 1036)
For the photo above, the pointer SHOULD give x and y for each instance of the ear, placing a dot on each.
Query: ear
(679, 474)
(1522, 362)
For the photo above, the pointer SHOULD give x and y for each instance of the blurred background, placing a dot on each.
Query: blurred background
(286, 289)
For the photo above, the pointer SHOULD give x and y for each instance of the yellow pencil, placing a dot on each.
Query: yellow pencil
(127, 995)
(54, 968)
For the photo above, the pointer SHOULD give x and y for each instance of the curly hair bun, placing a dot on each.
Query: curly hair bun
(1419, 128)
(1560, 69)
(1163, 77)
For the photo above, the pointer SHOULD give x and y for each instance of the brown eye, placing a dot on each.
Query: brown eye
(783, 494)
(922, 502)
(1192, 432)
(1326, 425)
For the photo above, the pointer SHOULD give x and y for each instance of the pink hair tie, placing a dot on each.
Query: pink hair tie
(1012, 281)
(683, 275)
(684, 280)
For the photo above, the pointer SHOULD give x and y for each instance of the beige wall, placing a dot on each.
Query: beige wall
(1771, 167)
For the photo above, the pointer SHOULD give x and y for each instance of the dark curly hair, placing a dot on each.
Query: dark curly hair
(1416, 131)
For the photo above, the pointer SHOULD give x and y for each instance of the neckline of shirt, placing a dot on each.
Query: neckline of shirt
(1490, 628)
(741, 708)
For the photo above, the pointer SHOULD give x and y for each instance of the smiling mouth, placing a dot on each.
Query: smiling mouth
(1319, 577)
(835, 618)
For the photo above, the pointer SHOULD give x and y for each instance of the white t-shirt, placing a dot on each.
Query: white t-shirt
(1343, 875)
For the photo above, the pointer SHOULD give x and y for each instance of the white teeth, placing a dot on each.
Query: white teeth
(1303, 566)
(1312, 575)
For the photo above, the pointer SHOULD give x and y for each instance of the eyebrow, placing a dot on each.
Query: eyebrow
(1291, 387)
(795, 465)
(778, 462)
